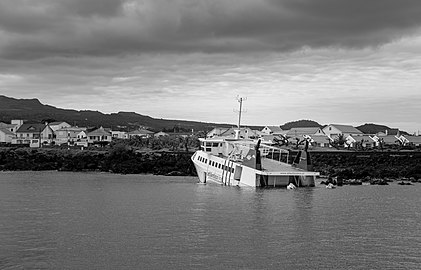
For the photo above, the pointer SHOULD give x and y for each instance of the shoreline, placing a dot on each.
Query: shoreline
(119, 160)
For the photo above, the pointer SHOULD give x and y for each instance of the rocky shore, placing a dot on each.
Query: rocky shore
(367, 166)
(349, 166)
(117, 160)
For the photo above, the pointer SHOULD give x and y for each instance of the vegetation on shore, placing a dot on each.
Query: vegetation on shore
(171, 156)
(365, 165)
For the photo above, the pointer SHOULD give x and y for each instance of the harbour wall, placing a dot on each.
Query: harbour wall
(346, 164)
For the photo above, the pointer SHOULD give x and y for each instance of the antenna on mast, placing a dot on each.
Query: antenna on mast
(240, 100)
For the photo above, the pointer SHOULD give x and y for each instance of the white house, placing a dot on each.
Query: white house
(67, 135)
(216, 132)
(245, 133)
(334, 130)
(141, 133)
(99, 135)
(59, 125)
(6, 135)
(411, 140)
(81, 139)
(13, 126)
(119, 134)
(300, 132)
(320, 141)
(34, 135)
(275, 130)
(365, 141)
(161, 134)
(386, 140)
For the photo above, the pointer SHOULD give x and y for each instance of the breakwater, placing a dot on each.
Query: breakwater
(361, 165)
(116, 160)
(347, 165)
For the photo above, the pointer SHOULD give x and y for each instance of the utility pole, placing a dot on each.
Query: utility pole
(240, 100)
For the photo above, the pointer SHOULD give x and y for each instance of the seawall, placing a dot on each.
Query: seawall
(346, 164)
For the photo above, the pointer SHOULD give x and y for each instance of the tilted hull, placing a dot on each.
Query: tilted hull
(212, 168)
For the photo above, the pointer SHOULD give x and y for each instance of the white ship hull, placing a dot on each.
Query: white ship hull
(221, 170)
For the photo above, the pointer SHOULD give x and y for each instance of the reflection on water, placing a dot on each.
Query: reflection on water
(55, 220)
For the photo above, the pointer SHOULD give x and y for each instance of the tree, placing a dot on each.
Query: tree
(338, 142)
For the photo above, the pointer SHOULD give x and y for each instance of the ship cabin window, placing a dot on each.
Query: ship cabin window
(210, 146)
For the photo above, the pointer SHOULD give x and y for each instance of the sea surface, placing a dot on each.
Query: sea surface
(63, 220)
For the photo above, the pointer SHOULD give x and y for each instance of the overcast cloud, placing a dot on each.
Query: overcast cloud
(333, 61)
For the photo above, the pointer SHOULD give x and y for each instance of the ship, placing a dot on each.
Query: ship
(237, 161)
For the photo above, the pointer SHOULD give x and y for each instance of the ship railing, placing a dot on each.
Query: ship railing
(274, 153)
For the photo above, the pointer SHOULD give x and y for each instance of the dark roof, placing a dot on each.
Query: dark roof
(99, 132)
(57, 123)
(31, 128)
(347, 129)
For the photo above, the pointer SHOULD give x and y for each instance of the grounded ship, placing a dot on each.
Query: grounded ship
(246, 162)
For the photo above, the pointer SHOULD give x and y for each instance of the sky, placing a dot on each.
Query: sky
(331, 61)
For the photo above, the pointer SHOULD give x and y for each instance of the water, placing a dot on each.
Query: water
(57, 220)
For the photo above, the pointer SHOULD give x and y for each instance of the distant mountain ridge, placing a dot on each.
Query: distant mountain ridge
(32, 110)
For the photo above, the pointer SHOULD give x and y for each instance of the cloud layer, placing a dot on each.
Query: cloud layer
(34, 29)
(334, 61)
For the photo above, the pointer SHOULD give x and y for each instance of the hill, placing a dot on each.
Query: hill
(32, 110)
(374, 128)
(300, 123)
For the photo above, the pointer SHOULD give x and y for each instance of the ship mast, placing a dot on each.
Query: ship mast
(240, 100)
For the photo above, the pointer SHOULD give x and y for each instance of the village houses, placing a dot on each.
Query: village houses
(62, 133)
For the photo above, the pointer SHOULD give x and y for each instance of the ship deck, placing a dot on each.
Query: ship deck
(273, 167)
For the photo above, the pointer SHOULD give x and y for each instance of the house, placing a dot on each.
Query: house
(387, 140)
(13, 126)
(365, 141)
(59, 125)
(81, 139)
(99, 135)
(275, 130)
(334, 130)
(411, 140)
(320, 141)
(161, 134)
(390, 131)
(245, 133)
(67, 135)
(300, 132)
(82, 135)
(216, 132)
(141, 133)
(6, 135)
(34, 135)
(119, 134)
(269, 139)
